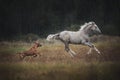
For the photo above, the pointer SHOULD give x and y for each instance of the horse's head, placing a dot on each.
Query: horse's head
(93, 28)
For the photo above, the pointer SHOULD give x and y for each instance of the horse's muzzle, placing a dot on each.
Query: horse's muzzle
(99, 32)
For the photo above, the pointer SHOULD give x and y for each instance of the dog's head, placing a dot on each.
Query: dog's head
(38, 44)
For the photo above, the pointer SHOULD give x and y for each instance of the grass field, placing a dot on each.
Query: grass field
(56, 64)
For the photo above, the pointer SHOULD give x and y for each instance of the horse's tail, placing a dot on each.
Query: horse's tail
(56, 36)
(53, 37)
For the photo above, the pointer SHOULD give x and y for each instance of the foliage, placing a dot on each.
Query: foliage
(28, 37)
(49, 16)
(73, 27)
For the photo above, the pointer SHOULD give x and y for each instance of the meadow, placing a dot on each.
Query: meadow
(54, 63)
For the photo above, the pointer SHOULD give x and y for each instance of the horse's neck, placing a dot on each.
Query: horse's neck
(84, 33)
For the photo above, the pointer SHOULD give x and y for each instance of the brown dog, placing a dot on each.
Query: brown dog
(31, 52)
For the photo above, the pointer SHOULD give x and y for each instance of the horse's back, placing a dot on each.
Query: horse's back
(64, 35)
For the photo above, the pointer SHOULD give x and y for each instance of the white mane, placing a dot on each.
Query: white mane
(83, 26)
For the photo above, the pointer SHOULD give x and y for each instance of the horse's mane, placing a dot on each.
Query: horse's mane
(83, 26)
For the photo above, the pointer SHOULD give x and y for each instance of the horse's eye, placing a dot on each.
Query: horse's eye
(95, 27)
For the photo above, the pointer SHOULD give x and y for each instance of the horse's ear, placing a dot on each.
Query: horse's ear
(92, 22)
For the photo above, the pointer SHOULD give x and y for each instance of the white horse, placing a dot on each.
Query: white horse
(79, 37)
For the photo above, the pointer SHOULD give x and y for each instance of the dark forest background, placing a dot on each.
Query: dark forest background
(42, 17)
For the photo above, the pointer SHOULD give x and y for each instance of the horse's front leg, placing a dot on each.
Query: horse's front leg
(89, 51)
(96, 49)
(92, 46)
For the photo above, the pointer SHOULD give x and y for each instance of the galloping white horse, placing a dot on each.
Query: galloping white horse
(79, 37)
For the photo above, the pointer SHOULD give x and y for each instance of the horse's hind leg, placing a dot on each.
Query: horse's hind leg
(72, 53)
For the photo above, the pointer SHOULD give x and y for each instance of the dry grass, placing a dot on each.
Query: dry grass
(56, 64)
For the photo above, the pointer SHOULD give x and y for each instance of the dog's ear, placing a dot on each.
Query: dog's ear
(36, 42)
(40, 44)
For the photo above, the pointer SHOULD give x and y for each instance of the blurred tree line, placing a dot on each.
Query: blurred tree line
(42, 17)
